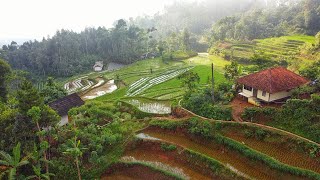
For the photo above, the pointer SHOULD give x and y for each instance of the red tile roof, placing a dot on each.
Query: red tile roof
(273, 80)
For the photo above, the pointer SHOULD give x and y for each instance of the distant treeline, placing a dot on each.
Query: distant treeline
(68, 52)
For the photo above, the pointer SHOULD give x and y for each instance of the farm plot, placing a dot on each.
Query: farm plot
(149, 106)
(80, 84)
(234, 160)
(100, 89)
(276, 146)
(144, 83)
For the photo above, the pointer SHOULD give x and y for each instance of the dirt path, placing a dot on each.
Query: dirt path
(238, 105)
(232, 159)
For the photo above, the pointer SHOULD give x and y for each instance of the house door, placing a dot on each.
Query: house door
(255, 92)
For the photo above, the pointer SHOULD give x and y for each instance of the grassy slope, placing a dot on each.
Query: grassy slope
(169, 89)
(202, 66)
(284, 47)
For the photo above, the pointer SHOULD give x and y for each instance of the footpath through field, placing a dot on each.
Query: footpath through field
(254, 124)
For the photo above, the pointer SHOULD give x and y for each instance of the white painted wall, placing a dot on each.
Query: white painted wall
(265, 98)
(250, 93)
(64, 120)
(97, 68)
(280, 95)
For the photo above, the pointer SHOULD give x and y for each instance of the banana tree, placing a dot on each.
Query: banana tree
(76, 152)
(38, 174)
(35, 114)
(12, 162)
(36, 158)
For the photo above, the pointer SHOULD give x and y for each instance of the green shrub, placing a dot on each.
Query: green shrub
(178, 55)
(248, 133)
(168, 147)
(252, 113)
(165, 124)
(260, 134)
(200, 127)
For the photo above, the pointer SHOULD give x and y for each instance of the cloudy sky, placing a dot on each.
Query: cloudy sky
(34, 19)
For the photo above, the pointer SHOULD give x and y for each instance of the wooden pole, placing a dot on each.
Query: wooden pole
(212, 81)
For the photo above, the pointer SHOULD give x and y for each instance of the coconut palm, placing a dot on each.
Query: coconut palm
(12, 162)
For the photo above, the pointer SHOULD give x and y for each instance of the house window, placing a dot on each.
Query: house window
(264, 93)
(248, 88)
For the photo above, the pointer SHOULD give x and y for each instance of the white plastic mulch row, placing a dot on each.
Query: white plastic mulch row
(77, 85)
(145, 83)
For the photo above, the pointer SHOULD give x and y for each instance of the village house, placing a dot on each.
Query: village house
(63, 105)
(98, 66)
(274, 84)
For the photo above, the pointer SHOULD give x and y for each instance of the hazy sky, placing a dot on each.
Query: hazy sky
(39, 18)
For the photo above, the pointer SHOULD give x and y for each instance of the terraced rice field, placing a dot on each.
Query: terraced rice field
(149, 106)
(144, 83)
(276, 147)
(284, 47)
(145, 152)
(232, 159)
(80, 84)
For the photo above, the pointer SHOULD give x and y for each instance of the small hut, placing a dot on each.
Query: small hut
(63, 105)
(98, 66)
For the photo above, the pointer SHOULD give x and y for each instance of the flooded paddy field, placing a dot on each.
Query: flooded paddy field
(150, 106)
(100, 89)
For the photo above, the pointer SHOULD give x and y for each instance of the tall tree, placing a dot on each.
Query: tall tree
(5, 70)
(185, 40)
(28, 96)
(52, 91)
(189, 80)
(232, 71)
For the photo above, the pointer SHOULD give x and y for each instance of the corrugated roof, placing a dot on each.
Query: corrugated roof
(63, 105)
(273, 80)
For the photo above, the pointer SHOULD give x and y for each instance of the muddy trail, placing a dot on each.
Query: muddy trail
(277, 148)
(229, 158)
(146, 150)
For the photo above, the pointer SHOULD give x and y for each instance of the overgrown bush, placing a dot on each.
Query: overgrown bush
(253, 113)
(200, 103)
(178, 55)
(165, 124)
(200, 127)
(301, 117)
(168, 147)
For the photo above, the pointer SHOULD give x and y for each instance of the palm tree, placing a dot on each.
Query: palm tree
(12, 162)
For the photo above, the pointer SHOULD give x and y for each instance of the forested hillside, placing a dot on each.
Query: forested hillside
(288, 17)
(182, 26)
